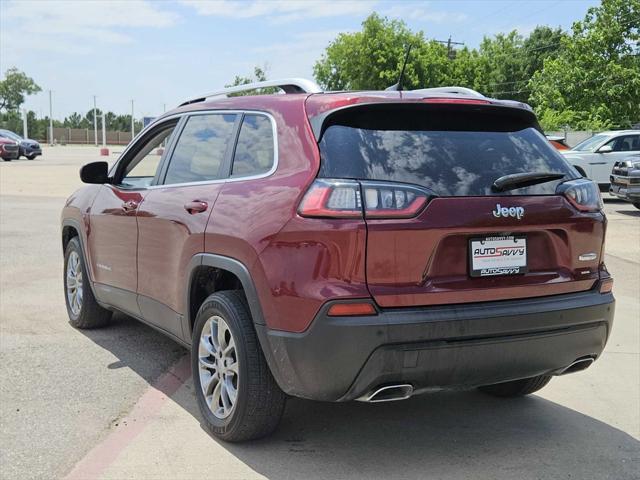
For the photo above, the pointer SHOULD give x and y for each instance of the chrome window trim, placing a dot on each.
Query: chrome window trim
(268, 173)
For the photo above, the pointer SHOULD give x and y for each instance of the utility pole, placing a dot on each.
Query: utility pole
(25, 130)
(50, 119)
(451, 53)
(104, 130)
(133, 130)
(95, 122)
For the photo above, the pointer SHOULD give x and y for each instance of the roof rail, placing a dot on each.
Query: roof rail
(455, 90)
(288, 85)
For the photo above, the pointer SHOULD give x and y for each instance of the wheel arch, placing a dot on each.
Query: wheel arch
(229, 269)
(580, 170)
(71, 228)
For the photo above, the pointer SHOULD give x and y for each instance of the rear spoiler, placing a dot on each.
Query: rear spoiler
(452, 115)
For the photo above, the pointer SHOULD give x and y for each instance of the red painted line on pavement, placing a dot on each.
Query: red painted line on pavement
(146, 408)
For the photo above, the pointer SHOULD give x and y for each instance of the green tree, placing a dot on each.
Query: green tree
(372, 58)
(259, 75)
(74, 120)
(595, 81)
(14, 87)
(543, 42)
(501, 67)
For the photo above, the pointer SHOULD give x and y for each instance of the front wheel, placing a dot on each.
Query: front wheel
(516, 388)
(237, 395)
(31, 157)
(82, 307)
(637, 205)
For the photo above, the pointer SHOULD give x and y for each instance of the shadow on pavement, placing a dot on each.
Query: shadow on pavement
(444, 435)
(630, 213)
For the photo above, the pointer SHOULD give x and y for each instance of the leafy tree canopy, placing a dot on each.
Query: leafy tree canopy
(14, 87)
(595, 81)
(587, 78)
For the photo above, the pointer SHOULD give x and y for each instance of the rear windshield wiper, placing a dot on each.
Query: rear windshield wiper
(520, 180)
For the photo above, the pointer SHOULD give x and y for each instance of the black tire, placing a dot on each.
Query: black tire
(6, 159)
(31, 157)
(259, 402)
(517, 388)
(637, 205)
(90, 314)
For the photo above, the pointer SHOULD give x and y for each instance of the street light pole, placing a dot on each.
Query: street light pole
(104, 131)
(50, 119)
(95, 122)
(25, 131)
(133, 132)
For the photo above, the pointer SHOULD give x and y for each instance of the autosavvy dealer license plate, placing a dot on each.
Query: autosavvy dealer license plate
(491, 256)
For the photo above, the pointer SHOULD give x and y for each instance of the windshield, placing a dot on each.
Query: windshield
(590, 144)
(449, 163)
(11, 135)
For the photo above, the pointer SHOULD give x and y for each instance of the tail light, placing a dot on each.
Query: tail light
(353, 199)
(583, 194)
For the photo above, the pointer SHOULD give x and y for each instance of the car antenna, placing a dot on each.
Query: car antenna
(398, 86)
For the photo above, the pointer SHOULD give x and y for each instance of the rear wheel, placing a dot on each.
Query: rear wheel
(82, 307)
(237, 395)
(517, 388)
(6, 159)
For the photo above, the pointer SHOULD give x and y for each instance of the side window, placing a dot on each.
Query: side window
(626, 143)
(201, 149)
(142, 169)
(254, 151)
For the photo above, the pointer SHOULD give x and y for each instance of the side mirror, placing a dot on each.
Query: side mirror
(605, 149)
(95, 172)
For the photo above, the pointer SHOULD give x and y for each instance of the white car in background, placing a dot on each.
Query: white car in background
(594, 157)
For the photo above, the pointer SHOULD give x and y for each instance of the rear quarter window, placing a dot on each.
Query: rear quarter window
(254, 153)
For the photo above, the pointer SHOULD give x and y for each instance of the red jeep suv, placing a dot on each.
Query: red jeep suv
(344, 246)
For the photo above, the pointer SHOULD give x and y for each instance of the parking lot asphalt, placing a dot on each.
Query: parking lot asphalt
(118, 403)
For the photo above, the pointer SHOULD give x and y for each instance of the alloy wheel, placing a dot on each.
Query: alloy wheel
(74, 283)
(218, 367)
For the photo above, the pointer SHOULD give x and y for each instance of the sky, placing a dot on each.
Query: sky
(160, 53)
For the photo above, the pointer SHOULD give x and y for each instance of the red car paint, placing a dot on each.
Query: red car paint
(298, 264)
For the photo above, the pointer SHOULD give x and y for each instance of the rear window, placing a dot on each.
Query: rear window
(447, 162)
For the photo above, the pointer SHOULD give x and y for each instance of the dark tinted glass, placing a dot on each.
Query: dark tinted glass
(450, 163)
(200, 150)
(254, 151)
(627, 143)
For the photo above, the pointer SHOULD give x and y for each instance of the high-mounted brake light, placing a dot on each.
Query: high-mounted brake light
(344, 199)
(467, 101)
(583, 194)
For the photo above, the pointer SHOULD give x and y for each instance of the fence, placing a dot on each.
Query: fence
(85, 136)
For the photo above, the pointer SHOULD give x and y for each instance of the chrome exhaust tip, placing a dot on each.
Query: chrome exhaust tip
(388, 393)
(577, 366)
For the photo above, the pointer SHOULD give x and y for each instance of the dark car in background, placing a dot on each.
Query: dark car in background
(9, 149)
(26, 147)
(625, 180)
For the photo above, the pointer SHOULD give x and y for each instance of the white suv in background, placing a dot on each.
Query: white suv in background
(594, 157)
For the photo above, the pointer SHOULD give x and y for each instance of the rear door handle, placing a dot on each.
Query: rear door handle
(129, 205)
(196, 206)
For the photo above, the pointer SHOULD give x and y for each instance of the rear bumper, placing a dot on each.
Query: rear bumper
(457, 346)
